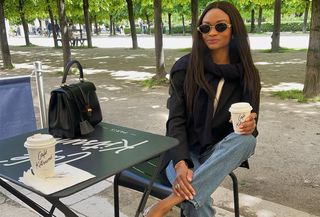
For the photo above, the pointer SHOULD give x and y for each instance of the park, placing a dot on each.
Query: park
(284, 175)
(285, 166)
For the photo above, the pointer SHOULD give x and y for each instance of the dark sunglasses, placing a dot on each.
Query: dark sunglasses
(219, 27)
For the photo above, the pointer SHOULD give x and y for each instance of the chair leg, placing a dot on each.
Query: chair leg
(235, 194)
(181, 213)
(116, 195)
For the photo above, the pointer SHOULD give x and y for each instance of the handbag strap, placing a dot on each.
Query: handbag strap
(218, 93)
(67, 68)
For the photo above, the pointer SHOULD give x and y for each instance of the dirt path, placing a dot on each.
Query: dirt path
(285, 168)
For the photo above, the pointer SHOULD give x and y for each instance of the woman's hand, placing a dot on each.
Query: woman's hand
(249, 125)
(182, 185)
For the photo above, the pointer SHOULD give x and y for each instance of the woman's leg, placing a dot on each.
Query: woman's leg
(189, 209)
(228, 154)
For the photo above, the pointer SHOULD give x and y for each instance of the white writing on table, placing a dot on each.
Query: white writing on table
(86, 146)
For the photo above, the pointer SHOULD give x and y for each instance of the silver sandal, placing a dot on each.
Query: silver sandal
(147, 210)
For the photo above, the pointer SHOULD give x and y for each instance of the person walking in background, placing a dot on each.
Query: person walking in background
(49, 29)
(57, 28)
(220, 63)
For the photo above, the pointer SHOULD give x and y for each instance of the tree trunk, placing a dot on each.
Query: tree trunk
(194, 14)
(260, 19)
(64, 32)
(160, 70)
(252, 30)
(148, 23)
(132, 24)
(169, 23)
(54, 32)
(5, 51)
(113, 28)
(183, 25)
(305, 18)
(275, 43)
(24, 23)
(90, 25)
(96, 25)
(40, 24)
(87, 22)
(111, 24)
(312, 77)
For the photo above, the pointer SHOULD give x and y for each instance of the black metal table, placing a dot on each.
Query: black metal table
(104, 153)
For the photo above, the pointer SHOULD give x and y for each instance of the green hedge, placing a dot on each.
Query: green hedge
(285, 27)
(265, 27)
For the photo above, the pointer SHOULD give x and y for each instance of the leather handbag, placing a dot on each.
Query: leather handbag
(74, 109)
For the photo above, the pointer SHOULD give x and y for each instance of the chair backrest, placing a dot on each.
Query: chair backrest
(16, 108)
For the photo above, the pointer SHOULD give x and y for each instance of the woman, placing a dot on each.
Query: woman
(220, 61)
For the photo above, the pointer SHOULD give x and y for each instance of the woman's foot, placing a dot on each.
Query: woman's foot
(156, 210)
(164, 206)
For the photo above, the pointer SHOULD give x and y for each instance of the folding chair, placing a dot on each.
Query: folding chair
(138, 177)
(16, 109)
(17, 114)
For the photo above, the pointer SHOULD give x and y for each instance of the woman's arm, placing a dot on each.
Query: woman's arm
(177, 120)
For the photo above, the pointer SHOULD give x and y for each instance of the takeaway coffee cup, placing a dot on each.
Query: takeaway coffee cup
(41, 150)
(239, 112)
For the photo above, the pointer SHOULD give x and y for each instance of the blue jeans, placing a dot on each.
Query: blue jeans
(210, 169)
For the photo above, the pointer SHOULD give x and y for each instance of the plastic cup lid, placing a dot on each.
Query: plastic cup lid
(38, 140)
(240, 107)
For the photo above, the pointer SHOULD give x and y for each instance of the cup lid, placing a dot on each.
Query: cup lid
(240, 107)
(40, 140)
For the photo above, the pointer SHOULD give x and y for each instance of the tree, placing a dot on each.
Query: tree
(259, 18)
(253, 27)
(54, 32)
(64, 32)
(5, 51)
(160, 70)
(275, 44)
(312, 77)
(305, 18)
(168, 7)
(183, 10)
(24, 22)
(132, 24)
(87, 21)
(194, 14)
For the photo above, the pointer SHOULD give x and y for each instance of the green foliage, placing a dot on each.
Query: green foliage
(152, 82)
(285, 27)
(284, 50)
(265, 27)
(14, 8)
(72, 71)
(31, 45)
(101, 10)
(294, 94)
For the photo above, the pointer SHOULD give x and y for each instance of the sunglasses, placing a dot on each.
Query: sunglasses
(219, 27)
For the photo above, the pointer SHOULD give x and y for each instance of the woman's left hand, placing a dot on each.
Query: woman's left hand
(249, 125)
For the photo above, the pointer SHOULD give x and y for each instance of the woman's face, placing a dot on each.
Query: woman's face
(214, 39)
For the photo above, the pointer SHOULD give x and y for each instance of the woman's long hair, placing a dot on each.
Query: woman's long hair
(239, 51)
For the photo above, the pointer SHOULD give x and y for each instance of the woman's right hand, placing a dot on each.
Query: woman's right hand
(182, 185)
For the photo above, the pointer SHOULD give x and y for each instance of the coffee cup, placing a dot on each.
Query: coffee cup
(239, 112)
(41, 150)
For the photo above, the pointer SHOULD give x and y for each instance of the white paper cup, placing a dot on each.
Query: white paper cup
(41, 150)
(239, 112)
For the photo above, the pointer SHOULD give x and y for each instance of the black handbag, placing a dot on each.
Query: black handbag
(74, 109)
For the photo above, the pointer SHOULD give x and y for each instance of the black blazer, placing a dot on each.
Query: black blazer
(199, 130)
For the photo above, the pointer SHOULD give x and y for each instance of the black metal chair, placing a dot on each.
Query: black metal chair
(138, 178)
